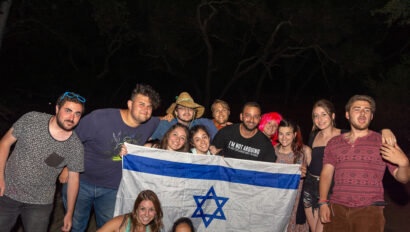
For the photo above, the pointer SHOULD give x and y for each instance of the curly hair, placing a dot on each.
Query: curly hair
(156, 224)
(149, 92)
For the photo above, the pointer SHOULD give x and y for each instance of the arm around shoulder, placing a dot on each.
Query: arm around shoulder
(395, 155)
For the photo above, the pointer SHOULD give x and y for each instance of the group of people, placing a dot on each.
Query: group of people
(85, 156)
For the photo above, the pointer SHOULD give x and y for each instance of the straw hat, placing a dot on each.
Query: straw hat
(184, 99)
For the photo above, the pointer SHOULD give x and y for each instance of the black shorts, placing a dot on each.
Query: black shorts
(311, 191)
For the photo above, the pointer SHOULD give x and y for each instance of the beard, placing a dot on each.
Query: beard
(62, 126)
(358, 126)
(248, 127)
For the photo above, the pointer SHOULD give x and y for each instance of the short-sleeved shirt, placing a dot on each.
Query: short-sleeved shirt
(37, 160)
(233, 145)
(164, 125)
(103, 132)
(359, 169)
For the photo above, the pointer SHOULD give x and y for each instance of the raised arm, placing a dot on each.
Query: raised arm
(5, 144)
(395, 155)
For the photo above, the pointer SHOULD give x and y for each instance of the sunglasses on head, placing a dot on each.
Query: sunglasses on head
(72, 95)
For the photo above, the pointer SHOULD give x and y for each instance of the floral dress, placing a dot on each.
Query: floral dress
(288, 159)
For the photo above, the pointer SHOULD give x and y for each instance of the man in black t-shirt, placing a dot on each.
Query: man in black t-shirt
(244, 140)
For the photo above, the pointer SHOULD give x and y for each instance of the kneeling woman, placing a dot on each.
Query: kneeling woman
(145, 217)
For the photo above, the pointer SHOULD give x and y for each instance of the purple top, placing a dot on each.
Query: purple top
(102, 133)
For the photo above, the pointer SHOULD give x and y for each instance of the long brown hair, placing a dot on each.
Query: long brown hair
(164, 141)
(156, 223)
(328, 107)
(297, 143)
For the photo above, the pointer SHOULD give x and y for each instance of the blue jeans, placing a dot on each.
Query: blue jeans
(103, 200)
(35, 217)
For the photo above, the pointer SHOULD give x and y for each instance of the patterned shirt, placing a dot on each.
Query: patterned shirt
(37, 160)
(359, 169)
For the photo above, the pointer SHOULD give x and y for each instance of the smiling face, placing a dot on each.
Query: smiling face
(140, 108)
(321, 118)
(220, 114)
(360, 115)
(146, 212)
(286, 135)
(184, 114)
(250, 117)
(177, 139)
(200, 141)
(270, 128)
(68, 115)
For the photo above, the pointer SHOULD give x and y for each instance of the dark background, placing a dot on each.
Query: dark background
(283, 54)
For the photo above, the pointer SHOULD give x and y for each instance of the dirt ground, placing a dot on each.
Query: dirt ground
(397, 213)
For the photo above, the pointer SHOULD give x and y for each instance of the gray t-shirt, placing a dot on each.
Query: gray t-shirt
(37, 160)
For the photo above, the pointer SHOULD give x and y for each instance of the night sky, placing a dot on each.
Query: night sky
(283, 54)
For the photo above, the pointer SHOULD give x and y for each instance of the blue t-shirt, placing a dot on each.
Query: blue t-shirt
(164, 125)
(102, 133)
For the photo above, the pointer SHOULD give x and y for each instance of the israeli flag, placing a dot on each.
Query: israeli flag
(217, 193)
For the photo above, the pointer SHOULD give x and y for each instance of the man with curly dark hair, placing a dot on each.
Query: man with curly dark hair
(103, 132)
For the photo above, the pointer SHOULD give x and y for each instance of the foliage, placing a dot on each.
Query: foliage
(395, 85)
(238, 50)
(397, 11)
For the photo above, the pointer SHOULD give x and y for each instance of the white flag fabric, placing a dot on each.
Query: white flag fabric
(216, 193)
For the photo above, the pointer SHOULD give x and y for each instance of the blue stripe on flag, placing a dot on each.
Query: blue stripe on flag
(210, 172)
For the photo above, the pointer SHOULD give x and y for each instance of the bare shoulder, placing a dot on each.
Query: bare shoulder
(112, 225)
(307, 149)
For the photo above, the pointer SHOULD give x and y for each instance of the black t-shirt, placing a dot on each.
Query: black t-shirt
(233, 145)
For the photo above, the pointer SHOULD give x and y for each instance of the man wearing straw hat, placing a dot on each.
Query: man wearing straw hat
(186, 112)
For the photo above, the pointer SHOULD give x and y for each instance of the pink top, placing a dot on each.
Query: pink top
(359, 169)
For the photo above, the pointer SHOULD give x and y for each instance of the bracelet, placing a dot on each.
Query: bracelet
(323, 203)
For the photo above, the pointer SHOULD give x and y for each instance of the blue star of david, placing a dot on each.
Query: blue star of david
(218, 213)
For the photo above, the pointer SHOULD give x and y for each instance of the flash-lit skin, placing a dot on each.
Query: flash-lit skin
(360, 115)
(270, 128)
(321, 118)
(184, 114)
(139, 111)
(146, 212)
(177, 139)
(220, 114)
(250, 117)
(68, 115)
(200, 141)
(286, 135)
